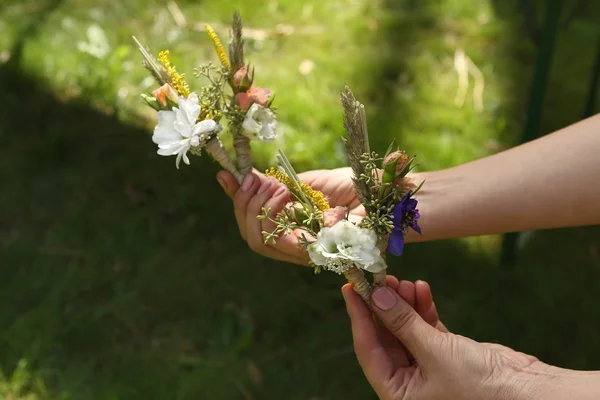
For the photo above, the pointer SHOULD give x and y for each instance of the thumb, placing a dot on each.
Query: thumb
(228, 183)
(404, 323)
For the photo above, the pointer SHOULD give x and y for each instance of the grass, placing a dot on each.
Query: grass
(118, 277)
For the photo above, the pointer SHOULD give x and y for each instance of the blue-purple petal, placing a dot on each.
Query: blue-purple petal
(396, 243)
(416, 227)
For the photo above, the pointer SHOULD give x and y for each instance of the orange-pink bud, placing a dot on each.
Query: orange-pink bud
(256, 95)
(239, 75)
(164, 92)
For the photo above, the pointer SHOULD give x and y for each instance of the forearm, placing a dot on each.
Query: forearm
(574, 385)
(552, 383)
(548, 183)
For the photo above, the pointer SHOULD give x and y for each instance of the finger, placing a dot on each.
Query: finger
(406, 290)
(286, 243)
(241, 199)
(426, 307)
(392, 282)
(228, 183)
(276, 203)
(404, 322)
(371, 355)
(254, 207)
(394, 348)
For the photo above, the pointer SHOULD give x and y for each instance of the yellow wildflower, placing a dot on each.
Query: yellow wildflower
(178, 80)
(218, 46)
(317, 198)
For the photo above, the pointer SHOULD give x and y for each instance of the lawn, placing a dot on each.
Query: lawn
(118, 278)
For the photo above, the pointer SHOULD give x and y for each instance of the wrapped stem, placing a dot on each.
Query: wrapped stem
(241, 143)
(379, 277)
(356, 277)
(214, 147)
(243, 152)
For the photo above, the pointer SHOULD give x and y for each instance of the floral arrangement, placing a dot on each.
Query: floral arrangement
(331, 240)
(189, 122)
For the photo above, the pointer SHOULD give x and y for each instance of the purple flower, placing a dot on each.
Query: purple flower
(405, 215)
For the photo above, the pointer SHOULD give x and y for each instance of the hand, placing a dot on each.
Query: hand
(445, 366)
(258, 191)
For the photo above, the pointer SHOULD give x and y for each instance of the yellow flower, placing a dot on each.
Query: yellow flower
(317, 198)
(178, 80)
(218, 46)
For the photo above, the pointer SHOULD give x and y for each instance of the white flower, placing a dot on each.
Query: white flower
(177, 131)
(344, 245)
(260, 123)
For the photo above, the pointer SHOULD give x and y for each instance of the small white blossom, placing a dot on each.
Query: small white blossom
(177, 131)
(260, 123)
(344, 245)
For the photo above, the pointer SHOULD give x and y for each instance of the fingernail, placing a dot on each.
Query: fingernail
(247, 183)
(383, 298)
(265, 186)
(222, 183)
(282, 189)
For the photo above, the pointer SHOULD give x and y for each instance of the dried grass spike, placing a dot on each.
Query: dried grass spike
(151, 64)
(236, 43)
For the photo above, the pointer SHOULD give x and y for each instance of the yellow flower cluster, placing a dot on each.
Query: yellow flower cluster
(316, 197)
(218, 46)
(178, 80)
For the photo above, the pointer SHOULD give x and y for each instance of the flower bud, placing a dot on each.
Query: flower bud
(393, 165)
(243, 79)
(152, 102)
(165, 95)
(260, 96)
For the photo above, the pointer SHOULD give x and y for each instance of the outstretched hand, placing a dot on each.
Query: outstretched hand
(258, 191)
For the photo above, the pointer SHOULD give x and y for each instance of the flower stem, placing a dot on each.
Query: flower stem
(214, 147)
(359, 283)
(241, 144)
(379, 277)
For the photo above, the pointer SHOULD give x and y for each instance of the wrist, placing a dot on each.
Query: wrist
(570, 384)
(543, 381)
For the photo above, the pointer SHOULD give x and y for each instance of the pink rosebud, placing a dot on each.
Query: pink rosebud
(243, 79)
(239, 76)
(393, 165)
(334, 215)
(244, 101)
(260, 96)
(164, 92)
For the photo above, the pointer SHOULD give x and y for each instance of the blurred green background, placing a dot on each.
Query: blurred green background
(124, 278)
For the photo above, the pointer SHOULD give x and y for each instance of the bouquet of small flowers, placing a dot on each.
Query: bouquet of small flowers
(189, 122)
(383, 188)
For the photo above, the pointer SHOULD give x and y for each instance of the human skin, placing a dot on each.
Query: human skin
(551, 182)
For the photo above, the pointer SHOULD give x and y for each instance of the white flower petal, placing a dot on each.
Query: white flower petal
(181, 124)
(345, 244)
(185, 158)
(164, 130)
(260, 123)
(189, 108)
(208, 125)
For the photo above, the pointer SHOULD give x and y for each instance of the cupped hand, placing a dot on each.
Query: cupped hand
(258, 191)
(415, 357)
